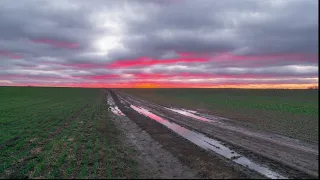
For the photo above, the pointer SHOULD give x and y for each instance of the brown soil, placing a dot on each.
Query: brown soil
(293, 161)
(205, 164)
(153, 160)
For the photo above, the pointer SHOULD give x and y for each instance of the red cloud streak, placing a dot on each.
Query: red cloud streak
(198, 75)
(157, 76)
(198, 58)
(145, 61)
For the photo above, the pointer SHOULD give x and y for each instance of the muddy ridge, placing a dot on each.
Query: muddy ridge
(206, 164)
(153, 160)
(287, 156)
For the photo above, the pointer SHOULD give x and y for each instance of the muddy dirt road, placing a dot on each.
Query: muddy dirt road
(217, 147)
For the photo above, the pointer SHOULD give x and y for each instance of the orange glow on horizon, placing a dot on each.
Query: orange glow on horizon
(168, 85)
(146, 85)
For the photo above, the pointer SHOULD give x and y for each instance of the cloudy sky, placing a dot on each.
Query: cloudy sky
(159, 43)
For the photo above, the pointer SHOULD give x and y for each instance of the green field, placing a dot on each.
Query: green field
(60, 133)
(68, 132)
(290, 112)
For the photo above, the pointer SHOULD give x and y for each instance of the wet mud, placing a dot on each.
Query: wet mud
(252, 153)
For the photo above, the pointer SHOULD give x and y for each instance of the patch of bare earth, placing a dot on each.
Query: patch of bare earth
(289, 159)
(114, 159)
(163, 154)
(153, 160)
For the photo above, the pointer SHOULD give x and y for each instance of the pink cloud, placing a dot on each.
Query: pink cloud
(186, 57)
(99, 77)
(30, 76)
(304, 57)
(59, 44)
(80, 65)
(156, 76)
(199, 75)
(145, 61)
(10, 54)
(74, 65)
(147, 76)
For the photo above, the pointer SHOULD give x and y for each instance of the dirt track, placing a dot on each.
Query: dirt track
(240, 151)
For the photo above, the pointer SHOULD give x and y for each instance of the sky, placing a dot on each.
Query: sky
(159, 43)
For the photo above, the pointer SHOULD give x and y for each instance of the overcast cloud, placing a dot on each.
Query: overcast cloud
(118, 42)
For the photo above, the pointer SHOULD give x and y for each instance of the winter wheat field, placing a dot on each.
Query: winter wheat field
(158, 133)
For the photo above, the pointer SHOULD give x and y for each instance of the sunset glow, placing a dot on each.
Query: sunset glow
(160, 44)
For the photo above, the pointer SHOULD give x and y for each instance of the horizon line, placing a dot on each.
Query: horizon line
(284, 88)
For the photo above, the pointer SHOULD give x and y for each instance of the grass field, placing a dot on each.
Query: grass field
(60, 133)
(68, 132)
(290, 112)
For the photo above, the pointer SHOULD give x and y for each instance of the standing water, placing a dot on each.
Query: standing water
(211, 145)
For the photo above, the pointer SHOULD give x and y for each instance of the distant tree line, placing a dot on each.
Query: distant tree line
(313, 87)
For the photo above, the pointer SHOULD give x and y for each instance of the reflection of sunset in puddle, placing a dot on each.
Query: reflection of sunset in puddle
(114, 109)
(210, 144)
(183, 112)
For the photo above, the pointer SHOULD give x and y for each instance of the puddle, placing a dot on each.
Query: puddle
(228, 126)
(190, 111)
(196, 115)
(116, 111)
(189, 114)
(210, 144)
(212, 117)
(112, 106)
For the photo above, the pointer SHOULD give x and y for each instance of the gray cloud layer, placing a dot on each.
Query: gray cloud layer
(40, 36)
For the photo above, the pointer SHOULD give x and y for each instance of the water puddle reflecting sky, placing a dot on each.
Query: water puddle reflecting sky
(188, 113)
(210, 144)
(114, 109)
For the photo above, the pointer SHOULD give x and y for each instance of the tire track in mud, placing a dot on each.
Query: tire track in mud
(206, 164)
(153, 161)
(202, 127)
(243, 144)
